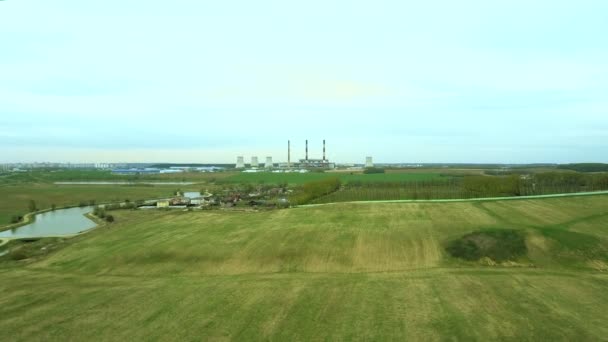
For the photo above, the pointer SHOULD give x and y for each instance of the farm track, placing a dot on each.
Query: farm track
(482, 199)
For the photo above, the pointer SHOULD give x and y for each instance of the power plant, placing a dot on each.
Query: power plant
(316, 163)
(369, 162)
(305, 163)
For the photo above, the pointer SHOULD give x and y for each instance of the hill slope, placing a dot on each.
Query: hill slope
(348, 271)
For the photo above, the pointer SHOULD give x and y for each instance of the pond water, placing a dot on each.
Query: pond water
(54, 223)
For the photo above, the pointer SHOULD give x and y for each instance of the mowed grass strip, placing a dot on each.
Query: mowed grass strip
(342, 238)
(455, 305)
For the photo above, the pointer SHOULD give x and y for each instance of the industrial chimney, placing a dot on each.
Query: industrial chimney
(289, 154)
(306, 150)
(324, 159)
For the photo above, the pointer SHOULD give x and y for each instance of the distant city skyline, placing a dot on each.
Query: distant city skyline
(205, 82)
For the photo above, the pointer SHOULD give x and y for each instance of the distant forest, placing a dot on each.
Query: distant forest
(585, 167)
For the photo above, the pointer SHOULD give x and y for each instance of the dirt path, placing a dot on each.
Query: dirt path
(512, 198)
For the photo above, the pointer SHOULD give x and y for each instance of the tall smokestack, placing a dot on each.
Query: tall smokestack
(323, 149)
(306, 149)
(289, 153)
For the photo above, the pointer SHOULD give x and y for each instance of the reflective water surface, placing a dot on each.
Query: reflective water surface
(54, 223)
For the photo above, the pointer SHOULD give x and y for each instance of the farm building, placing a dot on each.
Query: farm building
(162, 204)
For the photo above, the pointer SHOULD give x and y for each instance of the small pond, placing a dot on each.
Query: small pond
(54, 223)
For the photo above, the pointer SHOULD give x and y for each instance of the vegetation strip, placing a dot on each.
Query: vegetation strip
(576, 194)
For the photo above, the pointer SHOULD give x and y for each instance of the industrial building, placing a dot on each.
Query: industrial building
(306, 163)
(309, 163)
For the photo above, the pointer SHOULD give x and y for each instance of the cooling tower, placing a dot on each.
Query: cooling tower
(240, 162)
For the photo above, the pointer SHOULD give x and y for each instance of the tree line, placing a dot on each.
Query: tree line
(313, 190)
(585, 167)
(471, 186)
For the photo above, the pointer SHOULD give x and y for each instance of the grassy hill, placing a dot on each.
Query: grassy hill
(338, 272)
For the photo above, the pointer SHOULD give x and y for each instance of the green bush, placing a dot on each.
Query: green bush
(498, 245)
(18, 254)
(464, 249)
(99, 212)
(373, 170)
(312, 190)
(32, 206)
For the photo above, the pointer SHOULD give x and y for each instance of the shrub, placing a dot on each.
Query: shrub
(372, 170)
(18, 254)
(109, 218)
(464, 249)
(129, 206)
(310, 191)
(32, 206)
(110, 207)
(498, 245)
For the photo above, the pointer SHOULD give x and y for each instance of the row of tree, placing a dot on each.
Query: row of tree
(472, 186)
(310, 191)
(585, 167)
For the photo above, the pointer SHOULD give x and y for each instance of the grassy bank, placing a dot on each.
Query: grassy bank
(375, 272)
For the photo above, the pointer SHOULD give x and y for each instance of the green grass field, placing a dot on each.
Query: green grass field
(345, 177)
(41, 176)
(338, 272)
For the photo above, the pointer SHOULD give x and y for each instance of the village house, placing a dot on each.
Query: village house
(162, 204)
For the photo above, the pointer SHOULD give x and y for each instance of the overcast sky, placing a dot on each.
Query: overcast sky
(205, 81)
